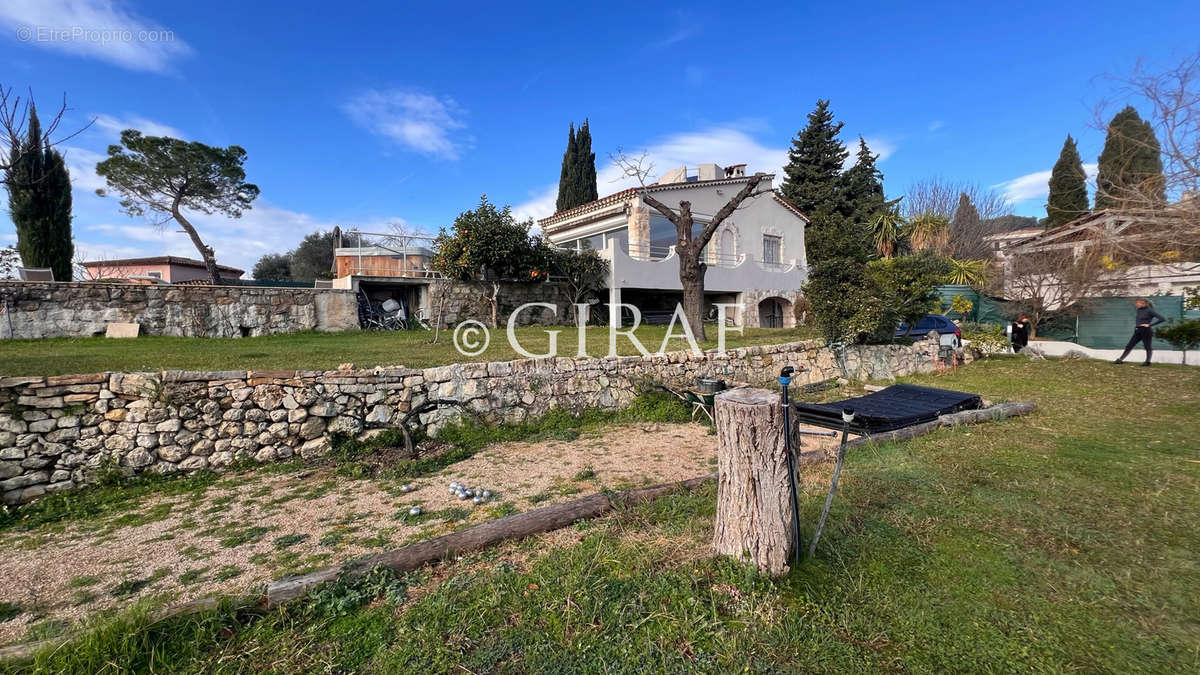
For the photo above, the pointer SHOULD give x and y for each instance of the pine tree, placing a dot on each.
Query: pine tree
(1131, 171)
(566, 177)
(861, 195)
(815, 164)
(39, 200)
(1068, 197)
(585, 174)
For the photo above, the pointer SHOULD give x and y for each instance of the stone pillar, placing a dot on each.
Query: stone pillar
(639, 231)
(754, 502)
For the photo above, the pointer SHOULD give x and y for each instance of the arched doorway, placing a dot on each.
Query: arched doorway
(774, 313)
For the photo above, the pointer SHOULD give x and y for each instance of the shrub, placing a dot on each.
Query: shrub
(987, 338)
(857, 303)
(850, 305)
(1183, 334)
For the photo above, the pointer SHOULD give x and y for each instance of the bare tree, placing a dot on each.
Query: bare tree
(1172, 97)
(14, 118)
(1055, 282)
(10, 260)
(940, 197)
(689, 246)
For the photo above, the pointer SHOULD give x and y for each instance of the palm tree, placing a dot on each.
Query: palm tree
(888, 232)
(973, 273)
(930, 232)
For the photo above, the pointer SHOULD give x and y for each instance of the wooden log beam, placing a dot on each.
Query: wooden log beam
(480, 536)
(996, 412)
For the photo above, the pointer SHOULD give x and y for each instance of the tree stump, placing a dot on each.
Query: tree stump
(754, 500)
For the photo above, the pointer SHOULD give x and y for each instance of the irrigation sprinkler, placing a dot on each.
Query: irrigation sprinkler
(847, 418)
(785, 378)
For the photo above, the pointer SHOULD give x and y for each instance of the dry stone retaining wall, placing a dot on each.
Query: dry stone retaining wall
(56, 432)
(467, 300)
(82, 309)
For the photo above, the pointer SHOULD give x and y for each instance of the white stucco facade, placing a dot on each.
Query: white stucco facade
(756, 258)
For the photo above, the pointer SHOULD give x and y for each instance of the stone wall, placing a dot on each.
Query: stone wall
(55, 432)
(82, 309)
(467, 301)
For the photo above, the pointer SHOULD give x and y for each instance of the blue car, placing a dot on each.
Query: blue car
(951, 336)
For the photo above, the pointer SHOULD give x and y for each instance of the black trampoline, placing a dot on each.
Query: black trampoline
(898, 406)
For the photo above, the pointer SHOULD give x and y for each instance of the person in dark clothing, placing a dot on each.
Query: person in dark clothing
(1143, 331)
(1020, 333)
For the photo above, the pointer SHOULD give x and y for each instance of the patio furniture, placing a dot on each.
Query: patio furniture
(35, 273)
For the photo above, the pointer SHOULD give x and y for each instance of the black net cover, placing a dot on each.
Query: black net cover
(898, 406)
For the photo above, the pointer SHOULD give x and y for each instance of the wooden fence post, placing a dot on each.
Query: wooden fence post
(754, 509)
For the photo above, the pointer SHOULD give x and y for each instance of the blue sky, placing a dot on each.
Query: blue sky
(365, 114)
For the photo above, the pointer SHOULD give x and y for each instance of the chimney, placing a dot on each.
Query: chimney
(708, 172)
(735, 171)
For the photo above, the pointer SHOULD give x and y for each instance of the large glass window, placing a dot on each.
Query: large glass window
(620, 237)
(772, 249)
(595, 241)
(663, 236)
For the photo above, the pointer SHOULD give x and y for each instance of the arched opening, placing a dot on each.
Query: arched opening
(726, 255)
(775, 313)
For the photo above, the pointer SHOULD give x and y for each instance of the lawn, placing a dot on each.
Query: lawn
(326, 351)
(1062, 541)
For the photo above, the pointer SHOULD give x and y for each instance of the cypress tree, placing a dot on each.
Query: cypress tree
(39, 202)
(1131, 171)
(966, 221)
(585, 174)
(1068, 197)
(566, 177)
(815, 164)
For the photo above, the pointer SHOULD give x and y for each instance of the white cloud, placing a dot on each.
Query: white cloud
(81, 163)
(723, 145)
(878, 146)
(419, 122)
(685, 27)
(935, 125)
(1035, 185)
(99, 29)
(113, 126)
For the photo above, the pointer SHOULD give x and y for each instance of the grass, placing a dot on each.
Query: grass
(112, 496)
(1062, 541)
(325, 351)
(9, 611)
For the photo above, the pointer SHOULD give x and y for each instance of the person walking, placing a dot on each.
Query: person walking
(1019, 333)
(1143, 332)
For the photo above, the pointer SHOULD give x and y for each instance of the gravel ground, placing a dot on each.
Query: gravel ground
(252, 528)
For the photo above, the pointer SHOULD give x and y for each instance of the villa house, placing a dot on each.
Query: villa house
(755, 260)
(1178, 267)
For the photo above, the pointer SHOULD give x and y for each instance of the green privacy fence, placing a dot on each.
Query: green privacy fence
(1103, 323)
(1108, 323)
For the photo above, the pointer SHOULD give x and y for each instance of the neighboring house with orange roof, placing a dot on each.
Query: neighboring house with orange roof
(756, 259)
(168, 268)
